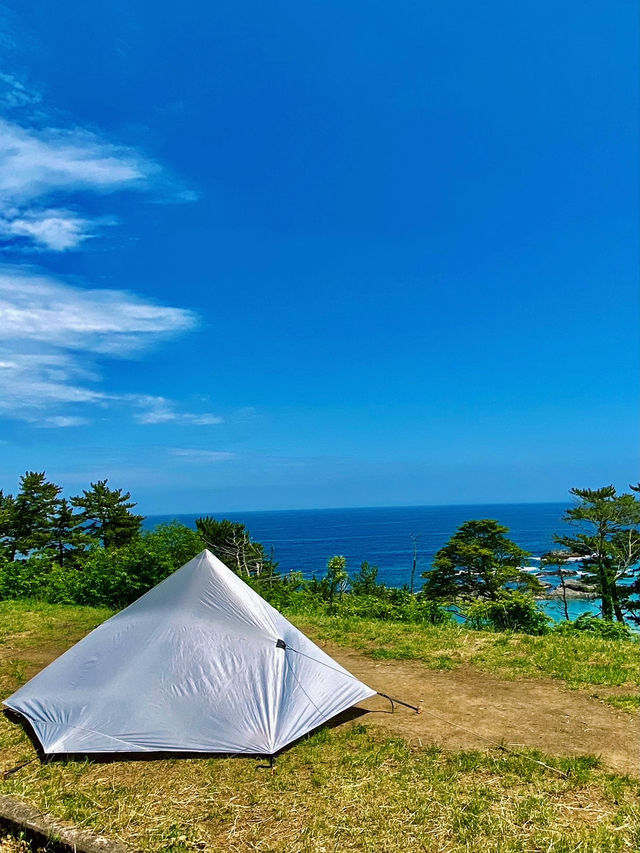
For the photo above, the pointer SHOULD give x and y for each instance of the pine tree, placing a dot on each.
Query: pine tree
(68, 537)
(34, 509)
(105, 515)
(478, 562)
(230, 542)
(608, 541)
(7, 526)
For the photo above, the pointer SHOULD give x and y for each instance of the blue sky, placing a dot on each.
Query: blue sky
(320, 254)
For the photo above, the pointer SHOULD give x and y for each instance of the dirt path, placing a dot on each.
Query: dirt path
(537, 713)
(534, 713)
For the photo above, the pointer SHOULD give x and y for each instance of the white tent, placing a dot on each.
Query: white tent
(201, 663)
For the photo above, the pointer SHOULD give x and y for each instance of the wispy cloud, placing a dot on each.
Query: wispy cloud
(43, 167)
(52, 334)
(39, 308)
(40, 162)
(56, 229)
(15, 94)
(160, 410)
(61, 421)
(202, 456)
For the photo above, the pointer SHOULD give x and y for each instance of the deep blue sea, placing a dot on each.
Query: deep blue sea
(303, 540)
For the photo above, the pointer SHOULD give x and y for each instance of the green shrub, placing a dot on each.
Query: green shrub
(398, 606)
(24, 578)
(596, 626)
(512, 611)
(115, 577)
(109, 577)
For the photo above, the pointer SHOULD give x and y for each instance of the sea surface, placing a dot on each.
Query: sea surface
(304, 540)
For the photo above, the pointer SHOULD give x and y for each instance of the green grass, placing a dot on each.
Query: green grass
(351, 788)
(629, 702)
(344, 789)
(576, 660)
(24, 624)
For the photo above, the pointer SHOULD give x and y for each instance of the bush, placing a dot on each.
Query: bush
(596, 626)
(115, 577)
(398, 606)
(111, 577)
(24, 578)
(513, 611)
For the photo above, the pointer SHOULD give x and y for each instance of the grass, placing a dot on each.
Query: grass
(351, 788)
(576, 660)
(346, 789)
(629, 702)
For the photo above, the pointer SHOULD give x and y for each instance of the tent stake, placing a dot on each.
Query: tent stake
(394, 702)
(13, 770)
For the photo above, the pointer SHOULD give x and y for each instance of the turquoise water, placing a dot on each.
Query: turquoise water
(303, 540)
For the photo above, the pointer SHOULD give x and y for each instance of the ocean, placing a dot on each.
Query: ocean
(304, 540)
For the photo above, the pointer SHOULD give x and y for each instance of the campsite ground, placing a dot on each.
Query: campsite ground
(376, 780)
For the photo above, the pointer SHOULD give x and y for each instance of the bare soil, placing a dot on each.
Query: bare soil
(468, 709)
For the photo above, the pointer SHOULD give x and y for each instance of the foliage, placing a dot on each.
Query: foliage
(607, 538)
(105, 515)
(68, 538)
(33, 513)
(478, 562)
(598, 627)
(116, 577)
(398, 607)
(230, 542)
(511, 611)
(365, 581)
(25, 578)
(7, 533)
(110, 578)
(336, 578)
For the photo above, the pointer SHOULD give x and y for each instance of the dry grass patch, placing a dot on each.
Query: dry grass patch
(350, 788)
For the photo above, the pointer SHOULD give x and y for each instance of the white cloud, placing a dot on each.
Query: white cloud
(40, 308)
(32, 383)
(37, 163)
(51, 334)
(205, 456)
(40, 164)
(61, 421)
(160, 410)
(53, 229)
(15, 94)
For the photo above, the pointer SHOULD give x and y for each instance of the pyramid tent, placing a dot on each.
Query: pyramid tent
(201, 663)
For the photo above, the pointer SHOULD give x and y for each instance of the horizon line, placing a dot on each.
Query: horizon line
(342, 508)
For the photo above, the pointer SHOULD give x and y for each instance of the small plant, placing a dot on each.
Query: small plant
(596, 626)
(511, 611)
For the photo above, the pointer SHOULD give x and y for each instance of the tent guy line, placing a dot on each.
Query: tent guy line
(416, 708)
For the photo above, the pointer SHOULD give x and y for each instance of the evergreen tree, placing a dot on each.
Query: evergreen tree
(365, 581)
(34, 509)
(608, 541)
(68, 537)
(105, 515)
(7, 526)
(478, 562)
(230, 542)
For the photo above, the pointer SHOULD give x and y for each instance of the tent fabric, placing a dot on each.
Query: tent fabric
(200, 663)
